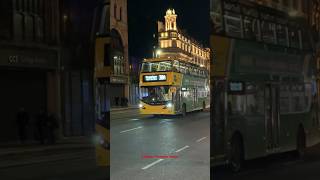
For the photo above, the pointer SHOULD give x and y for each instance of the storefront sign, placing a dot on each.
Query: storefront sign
(118, 80)
(24, 60)
(236, 87)
(29, 58)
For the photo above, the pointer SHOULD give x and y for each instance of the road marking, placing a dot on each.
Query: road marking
(134, 119)
(131, 129)
(165, 121)
(201, 139)
(179, 150)
(152, 164)
(160, 157)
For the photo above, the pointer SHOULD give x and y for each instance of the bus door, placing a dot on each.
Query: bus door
(177, 100)
(195, 98)
(272, 117)
(218, 119)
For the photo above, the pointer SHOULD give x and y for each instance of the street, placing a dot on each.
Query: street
(182, 144)
(185, 141)
(282, 166)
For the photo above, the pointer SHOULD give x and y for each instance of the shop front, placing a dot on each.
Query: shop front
(30, 80)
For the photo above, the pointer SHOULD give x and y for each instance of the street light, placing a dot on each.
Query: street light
(158, 52)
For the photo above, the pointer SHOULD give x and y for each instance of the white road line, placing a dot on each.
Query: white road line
(179, 150)
(131, 129)
(134, 119)
(163, 122)
(201, 139)
(152, 164)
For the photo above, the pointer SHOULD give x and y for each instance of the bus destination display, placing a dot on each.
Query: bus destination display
(155, 78)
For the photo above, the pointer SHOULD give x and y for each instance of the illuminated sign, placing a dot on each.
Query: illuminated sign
(236, 87)
(155, 78)
(162, 77)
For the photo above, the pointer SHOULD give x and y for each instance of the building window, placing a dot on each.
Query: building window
(31, 6)
(29, 28)
(120, 13)
(295, 4)
(179, 44)
(304, 6)
(40, 7)
(24, 5)
(115, 11)
(174, 43)
(107, 55)
(170, 43)
(36, 6)
(18, 5)
(18, 26)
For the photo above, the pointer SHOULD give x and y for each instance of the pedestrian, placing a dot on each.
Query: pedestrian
(122, 102)
(117, 101)
(52, 125)
(22, 121)
(41, 120)
(126, 102)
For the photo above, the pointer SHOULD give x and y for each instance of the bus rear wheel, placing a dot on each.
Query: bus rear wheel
(184, 110)
(301, 143)
(236, 158)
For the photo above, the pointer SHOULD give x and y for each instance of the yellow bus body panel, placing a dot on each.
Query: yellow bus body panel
(102, 154)
(101, 71)
(221, 48)
(156, 110)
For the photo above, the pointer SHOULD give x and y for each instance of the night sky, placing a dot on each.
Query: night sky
(193, 16)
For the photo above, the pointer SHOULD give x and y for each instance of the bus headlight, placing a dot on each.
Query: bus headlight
(140, 106)
(169, 105)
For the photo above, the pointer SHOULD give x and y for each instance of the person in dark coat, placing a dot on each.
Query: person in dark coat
(41, 121)
(117, 101)
(22, 121)
(52, 125)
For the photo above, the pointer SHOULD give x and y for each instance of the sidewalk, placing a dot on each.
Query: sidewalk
(14, 154)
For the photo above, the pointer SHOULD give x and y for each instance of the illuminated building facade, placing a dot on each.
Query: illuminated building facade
(174, 43)
(120, 59)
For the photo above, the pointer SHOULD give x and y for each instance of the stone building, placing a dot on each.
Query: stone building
(174, 42)
(119, 80)
(29, 62)
(77, 66)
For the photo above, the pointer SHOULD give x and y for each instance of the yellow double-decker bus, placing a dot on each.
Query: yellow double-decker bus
(264, 91)
(171, 86)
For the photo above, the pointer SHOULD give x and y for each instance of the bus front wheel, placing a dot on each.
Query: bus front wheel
(236, 158)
